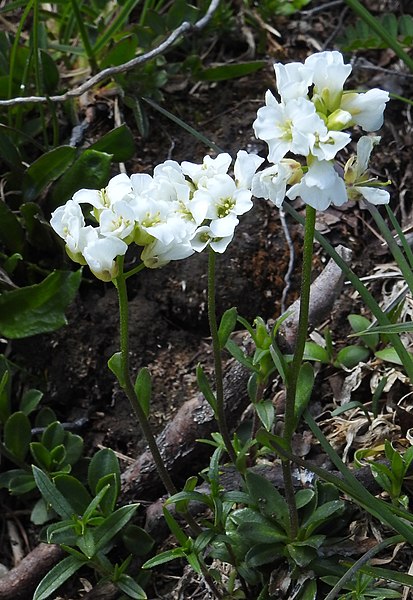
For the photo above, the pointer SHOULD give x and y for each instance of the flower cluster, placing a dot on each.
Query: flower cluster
(309, 121)
(181, 209)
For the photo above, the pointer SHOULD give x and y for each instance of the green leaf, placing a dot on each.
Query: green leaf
(115, 365)
(11, 231)
(40, 514)
(130, 587)
(227, 326)
(119, 143)
(90, 170)
(265, 411)
(351, 356)
(262, 533)
(137, 540)
(279, 362)
(322, 514)
(38, 308)
(53, 435)
(267, 498)
(263, 554)
(86, 543)
(359, 324)
(74, 447)
(313, 351)
(9, 151)
(175, 528)
(103, 463)
(239, 355)
(57, 576)
(51, 494)
(205, 388)
(164, 557)
(74, 492)
(21, 484)
(390, 355)
(389, 575)
(46, 169)
(143, 389)
(41, 455)
(305, 385)
(108, 502)
(30, 401)
(17, 435)
(228, 71)
(112, 525)
(302, 555)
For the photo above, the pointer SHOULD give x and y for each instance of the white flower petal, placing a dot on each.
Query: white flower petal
(366, 109)
(373, 195)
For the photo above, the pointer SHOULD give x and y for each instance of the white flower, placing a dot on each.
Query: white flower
(320, 186)
(293, 80)
(69, 224)
(367, 108)
(245, 167)
(293, 126)
(271, 183)
(357, 177)
(156, 254)
(328, 75)
(210, 167)
(68, 221)
(100, 254)
(170, 182)
(116, 190)
(118, 221)
(222, 198)
(328, 143)
(207, 236)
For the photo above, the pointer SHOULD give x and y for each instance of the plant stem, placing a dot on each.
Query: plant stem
(85, 37)
(358, 285)
(289, 414)
(120, 283)
(349, 575)
(393, 246)
(216, 347)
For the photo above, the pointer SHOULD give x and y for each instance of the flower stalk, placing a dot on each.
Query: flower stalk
(216, 348)
(289, 414)
(120, 283)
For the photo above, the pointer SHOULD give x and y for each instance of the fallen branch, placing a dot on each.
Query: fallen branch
(19, 583)
(324, 292)
(131, 64)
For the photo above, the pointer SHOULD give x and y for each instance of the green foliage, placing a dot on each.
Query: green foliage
(362, 36)
(90, 524)
(38, 308)
(389, 476)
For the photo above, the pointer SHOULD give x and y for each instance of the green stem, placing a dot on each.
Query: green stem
(393, 246)
(289, 414)
(85, 38)
(289, 422)
(120, 283)
(358, 285)
(381, 31)
(216, 348)
(349, 575)
(407, 250)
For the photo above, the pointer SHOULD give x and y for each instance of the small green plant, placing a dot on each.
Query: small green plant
(89, 525)
(389, 476)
